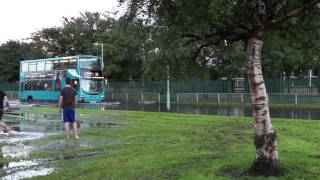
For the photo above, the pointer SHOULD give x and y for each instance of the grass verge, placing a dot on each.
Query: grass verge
(148, 145)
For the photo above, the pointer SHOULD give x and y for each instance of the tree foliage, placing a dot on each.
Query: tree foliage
(197, 26)
(11, 53)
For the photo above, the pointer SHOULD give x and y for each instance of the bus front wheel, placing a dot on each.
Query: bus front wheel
(30, 99)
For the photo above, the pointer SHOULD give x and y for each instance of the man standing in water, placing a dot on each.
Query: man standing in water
(6, 129)
(68, 101)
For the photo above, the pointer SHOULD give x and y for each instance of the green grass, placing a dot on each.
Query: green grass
(149, 145)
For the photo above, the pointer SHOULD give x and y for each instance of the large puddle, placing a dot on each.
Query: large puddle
(33, 126)
(293, 113)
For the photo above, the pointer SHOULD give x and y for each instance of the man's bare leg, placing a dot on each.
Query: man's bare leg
(5, 128)
(66, 129)
(75, 128)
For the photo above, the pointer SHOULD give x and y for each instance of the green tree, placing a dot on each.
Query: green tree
(11, 53)
(76, 36)
(216, 22)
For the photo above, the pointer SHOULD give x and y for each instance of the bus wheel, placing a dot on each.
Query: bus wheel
(30, 99)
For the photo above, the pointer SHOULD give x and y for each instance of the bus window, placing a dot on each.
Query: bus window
(75, 83)
(27, 86)
(90, 64)
(57, 65)
(57, 82)
(24, 67)
(37, 86)
(32, 66)
(40, 66)
(71, 65)
(49, 65)
(48, 85)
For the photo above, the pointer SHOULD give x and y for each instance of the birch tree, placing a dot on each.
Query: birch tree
(208, 23)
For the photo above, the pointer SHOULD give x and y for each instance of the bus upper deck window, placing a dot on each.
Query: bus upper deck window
(32, 67)
(24, 67)
(40, 66)
(49, 65)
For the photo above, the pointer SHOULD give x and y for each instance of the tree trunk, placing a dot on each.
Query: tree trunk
(265, 139)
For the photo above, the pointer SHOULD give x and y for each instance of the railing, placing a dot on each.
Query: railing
(135, 97)
(274, 98)
(12, 95)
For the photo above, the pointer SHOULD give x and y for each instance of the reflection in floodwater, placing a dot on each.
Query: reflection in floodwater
(28, 173)
(34, 126)
(207, 109)
(13, 147)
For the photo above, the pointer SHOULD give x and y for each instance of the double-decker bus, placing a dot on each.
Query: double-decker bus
(43, 79)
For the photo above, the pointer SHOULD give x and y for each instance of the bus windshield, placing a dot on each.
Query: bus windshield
(92, 86)
(90, 64)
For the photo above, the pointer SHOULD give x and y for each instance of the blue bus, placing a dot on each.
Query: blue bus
(43, 79)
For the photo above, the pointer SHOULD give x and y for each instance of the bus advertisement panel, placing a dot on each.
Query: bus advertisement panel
(43, 79)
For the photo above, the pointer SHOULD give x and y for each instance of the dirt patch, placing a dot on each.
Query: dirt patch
(266, 168)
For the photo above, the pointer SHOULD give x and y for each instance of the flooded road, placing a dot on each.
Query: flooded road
(310, 114)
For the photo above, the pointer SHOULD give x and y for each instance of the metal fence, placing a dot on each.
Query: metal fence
(236, 85)
(242, 98)
(12, 95)
(281, 91)
(135, 97)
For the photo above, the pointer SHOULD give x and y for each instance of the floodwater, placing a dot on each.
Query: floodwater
(37, 125)
(33, 126)
(310, 114)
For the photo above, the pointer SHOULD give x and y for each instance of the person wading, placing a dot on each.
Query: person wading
(6, 128)
(68, 101)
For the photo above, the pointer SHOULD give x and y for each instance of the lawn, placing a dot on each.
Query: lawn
(153, 145)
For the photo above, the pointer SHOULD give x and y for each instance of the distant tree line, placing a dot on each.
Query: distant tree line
(137, 48)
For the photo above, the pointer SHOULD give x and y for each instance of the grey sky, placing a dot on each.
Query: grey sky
(19, 18)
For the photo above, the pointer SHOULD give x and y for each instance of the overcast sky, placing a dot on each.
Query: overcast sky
(19, 18)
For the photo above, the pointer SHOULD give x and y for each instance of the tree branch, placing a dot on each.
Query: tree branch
(295, 12)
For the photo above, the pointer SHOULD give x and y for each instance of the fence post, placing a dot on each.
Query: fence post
(218, 98)
(127, 97)
(112, 95)
(177, 97)
(241, 96)
(142, 99)
(296, 98)
(197, 97)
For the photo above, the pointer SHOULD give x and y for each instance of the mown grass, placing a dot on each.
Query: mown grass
(148, 145)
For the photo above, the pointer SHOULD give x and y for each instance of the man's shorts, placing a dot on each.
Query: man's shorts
(69, 115)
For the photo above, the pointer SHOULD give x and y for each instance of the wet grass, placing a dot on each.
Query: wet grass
(149, 145)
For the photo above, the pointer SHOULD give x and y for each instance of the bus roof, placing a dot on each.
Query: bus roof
(58, 58)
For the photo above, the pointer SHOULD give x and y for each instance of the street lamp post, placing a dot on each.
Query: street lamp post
(168, 88)
(102, 62)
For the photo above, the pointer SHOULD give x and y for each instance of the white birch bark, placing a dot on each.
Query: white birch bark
(264, 135)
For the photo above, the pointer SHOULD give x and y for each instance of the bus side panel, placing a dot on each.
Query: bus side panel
(92, 98)
(40, 95)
